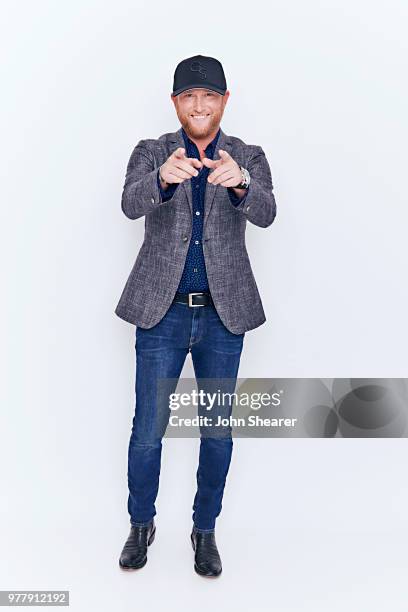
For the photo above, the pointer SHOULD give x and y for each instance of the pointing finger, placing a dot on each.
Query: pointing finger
(183, 164)
(224, 154)
(194, 162)
(179, 153)
(212, 163)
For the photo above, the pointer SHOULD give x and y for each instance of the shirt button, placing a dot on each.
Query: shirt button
(197, 186)
(196, 241)
(197, 212)
(152, 200)
(195, 269)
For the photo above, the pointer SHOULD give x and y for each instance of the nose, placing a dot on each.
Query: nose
(198, 106)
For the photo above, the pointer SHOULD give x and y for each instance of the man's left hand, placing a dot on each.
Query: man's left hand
(226, 171)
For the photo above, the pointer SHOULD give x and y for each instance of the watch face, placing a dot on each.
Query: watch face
(245, 177)
(244, 184)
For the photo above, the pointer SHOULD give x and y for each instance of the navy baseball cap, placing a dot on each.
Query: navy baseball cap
(199, 71)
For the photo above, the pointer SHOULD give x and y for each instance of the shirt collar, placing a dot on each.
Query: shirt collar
(210, 148)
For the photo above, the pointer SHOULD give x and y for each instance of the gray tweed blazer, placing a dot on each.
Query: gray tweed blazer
(157, 271)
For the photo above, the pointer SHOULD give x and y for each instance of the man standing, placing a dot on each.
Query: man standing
(191, 288)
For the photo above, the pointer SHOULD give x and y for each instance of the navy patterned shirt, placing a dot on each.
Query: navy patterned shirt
(194, 277)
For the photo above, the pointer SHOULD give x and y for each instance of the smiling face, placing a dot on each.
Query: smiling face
(200, 111)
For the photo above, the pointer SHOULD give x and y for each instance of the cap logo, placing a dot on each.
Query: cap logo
(197, 67)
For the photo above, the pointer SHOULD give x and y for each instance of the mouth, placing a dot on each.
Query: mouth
(199, 117)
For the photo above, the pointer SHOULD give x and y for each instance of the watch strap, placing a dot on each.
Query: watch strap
(244, 184)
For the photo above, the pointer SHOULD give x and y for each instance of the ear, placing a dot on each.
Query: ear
(225, 98)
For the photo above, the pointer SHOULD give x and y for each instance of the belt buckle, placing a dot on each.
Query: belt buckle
(190, 299)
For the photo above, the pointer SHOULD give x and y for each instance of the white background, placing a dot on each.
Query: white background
(307, 524)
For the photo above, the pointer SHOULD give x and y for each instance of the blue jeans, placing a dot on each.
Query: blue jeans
(160, 353)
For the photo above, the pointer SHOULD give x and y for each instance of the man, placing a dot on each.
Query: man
(191, 288)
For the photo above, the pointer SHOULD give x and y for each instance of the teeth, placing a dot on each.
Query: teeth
(199, 116)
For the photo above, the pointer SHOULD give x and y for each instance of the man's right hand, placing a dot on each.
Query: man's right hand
(177, 168)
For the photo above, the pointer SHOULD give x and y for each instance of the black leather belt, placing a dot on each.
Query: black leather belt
(194, 299)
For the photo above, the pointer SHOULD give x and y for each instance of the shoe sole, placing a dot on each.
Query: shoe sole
(197, 569)
(131, 568)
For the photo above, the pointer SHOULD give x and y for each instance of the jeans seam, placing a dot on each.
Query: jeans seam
(203, 530)
(135, 524)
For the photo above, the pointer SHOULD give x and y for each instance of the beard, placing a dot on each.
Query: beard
(195, 130)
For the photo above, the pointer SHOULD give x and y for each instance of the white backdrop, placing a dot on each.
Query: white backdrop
(322, 87)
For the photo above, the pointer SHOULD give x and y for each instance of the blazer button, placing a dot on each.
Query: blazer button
(152, 200)
(185, 238)
(248, 207)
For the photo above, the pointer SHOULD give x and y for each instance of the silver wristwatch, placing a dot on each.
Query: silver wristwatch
(246, 179)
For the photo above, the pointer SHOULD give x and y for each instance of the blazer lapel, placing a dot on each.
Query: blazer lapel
(176, 140)
(224, 144)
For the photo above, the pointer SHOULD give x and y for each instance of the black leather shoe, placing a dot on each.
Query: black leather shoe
(134, 553)
(207, 560)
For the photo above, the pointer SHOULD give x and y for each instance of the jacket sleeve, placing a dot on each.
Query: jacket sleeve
(234, 199)
(141, 193)
(168, 193)
(258, 204)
